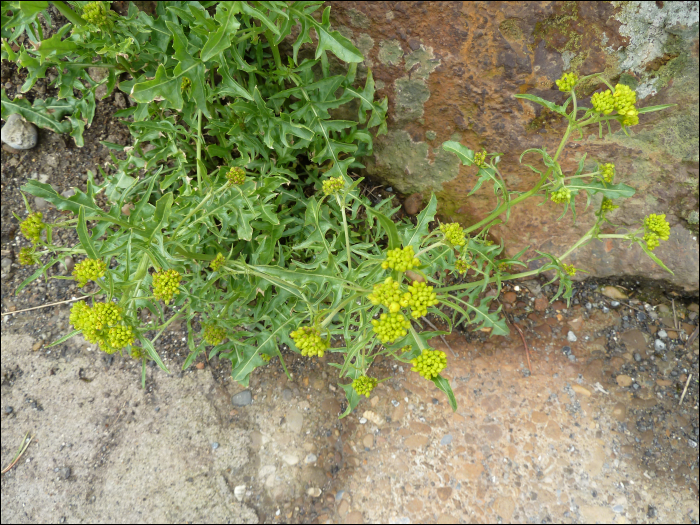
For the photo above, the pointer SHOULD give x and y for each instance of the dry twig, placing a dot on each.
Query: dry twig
(441, 337)
(685, 389)
(47, 305)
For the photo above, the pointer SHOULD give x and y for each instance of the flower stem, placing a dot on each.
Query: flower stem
(347, 233)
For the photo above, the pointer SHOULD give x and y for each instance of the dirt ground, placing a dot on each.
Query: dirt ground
(596, 433)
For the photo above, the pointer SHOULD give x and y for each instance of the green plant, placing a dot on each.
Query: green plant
(242, 211)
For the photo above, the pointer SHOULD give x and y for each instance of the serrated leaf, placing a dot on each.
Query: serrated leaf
(221, 39)
(546, 103)
(444, 385)
(414, 236)
(83, 235)
(465, 154)
(616, 191)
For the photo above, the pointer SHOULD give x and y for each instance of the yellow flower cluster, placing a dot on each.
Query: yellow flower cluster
(213, 335)
(430, 363)
(102, 324)
(28, 257)
(608, 172)
(89, 270)
(364, 385)
(401, 259)
(569, 268)
(333, 185)
(657, 227)
(32, 226)
(461, 266)
(391, 327)
(308, 339)
(454, 234)
(389, 294)
(625, 99)
(185, 84)
(607, 205)
(422, 296)
(479, 158)
(94, 13)
(236, 175)
(561, 196)
(603, 102)
(218, 262)
(567, 82)
(166, 284)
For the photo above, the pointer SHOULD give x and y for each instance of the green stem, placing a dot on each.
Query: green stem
(275, 50)
(199, 206)
(428, 248)
(342, 305)
(525, 195)
(199, 147)
(166, 325)
(71, 15)
(87, 64)
(347, 233)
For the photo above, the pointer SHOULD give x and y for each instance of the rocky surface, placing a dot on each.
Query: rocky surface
(18, 133)
(450, 70)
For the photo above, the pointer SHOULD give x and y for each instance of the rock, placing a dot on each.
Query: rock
(581, 390)
(67, 265)
(11, 150)
(18, 133)
(6, 264)
(119, 100)
(571, 337)
(624, 380)
(239, 492)
(214, 445)
(446, 440)
(413, 203)
(368, 441)
(662, 334)
(295, 422)
(287, 394)
(310, 458)
(659, 345)
(613, 293)
(541, 303)
(290, 459)
(314, 492)
(242, 399)
(510, 297)
(68, 193)
(40, 204)
(64, 473)
(354, 517)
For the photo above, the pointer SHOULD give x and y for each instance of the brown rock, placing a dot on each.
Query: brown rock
(624, 380)
(368, 441)
(543, 330)
(575, 324)
(492, 432)
(539, 417)
(37, 345)
(415, 505)
(413, 204)
(504, 508)
(613, 293)
(634, 340)
(420, 428)
(343, 508)
(416, 441)
(510, 297)
(199, 366)
(559, 305)
(446, 519)
(672, 334)
(581, 390)
(444, 493)
(354, 517)
(541, 303)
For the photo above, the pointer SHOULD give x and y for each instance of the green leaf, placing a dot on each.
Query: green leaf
(616, 191)
(329, 40)
(40, 113)
(221, 39)
(83, 235)
(650, 109)
(352, 396)
(250, 360)
(546, 103)
(32, 8)
(64, 338)
(148, 346)
(465, 154)
(389, 227)
(653, 257)
(444, 385)
(414, 236)
(251, 11)
(161, 87)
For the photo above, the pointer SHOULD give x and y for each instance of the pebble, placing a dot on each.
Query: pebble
(9, 410)
(659, 345)
(18, 133)
(566, 350)
(662, 334)
(40, 204)
(314, 492)
(311, 458)
(287, 394)
(637, 357)
(242, 398)
(446, 440)
(618, 508)
(614, 304)
(571, 336)
(64, 473)
(363, 420)
(394, 402)
(368, 441)
(624, 380)
(68, 265)
(413, 203)
(290, 459)
(6, 263)
(214, 445)
(239, 492)
(589, 306)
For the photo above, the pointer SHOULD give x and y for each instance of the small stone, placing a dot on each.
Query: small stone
(572, 358)
(566, 350)
(651, 511)
(242, 399)
(390, 189)
(18, 133)
(199, 366)
(68, 193)
(510, 297)
(314, 492)
(659, 345)
(6, 263)
(589, 306)
(368, 441)
(581, 390)
(541, 303)
(618, 508)
(239, 492)
(287, 394)
(290, 459)
(119, 100)
(9, 410)
(613, 293)
(637, 357)
(310, 458)
(394, 402)
(295, 422)
(624, 380)
(214, 445)
(64, 473)
(446, 440)
(571, 337)
(662, 334)
(614, 304)
(40, 204)
(68, 265)
(363, 420)
(413, 203)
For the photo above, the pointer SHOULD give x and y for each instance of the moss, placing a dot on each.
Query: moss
(411, 95)
(559, 27)
(426, 61)
(511, 29)
(358, 19)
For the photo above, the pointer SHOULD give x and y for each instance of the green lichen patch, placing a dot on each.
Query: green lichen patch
(411, 95)
(390, 52)
(406, 164)
(358, 19)
(430, 135)
(364, 44)
(425, 58)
